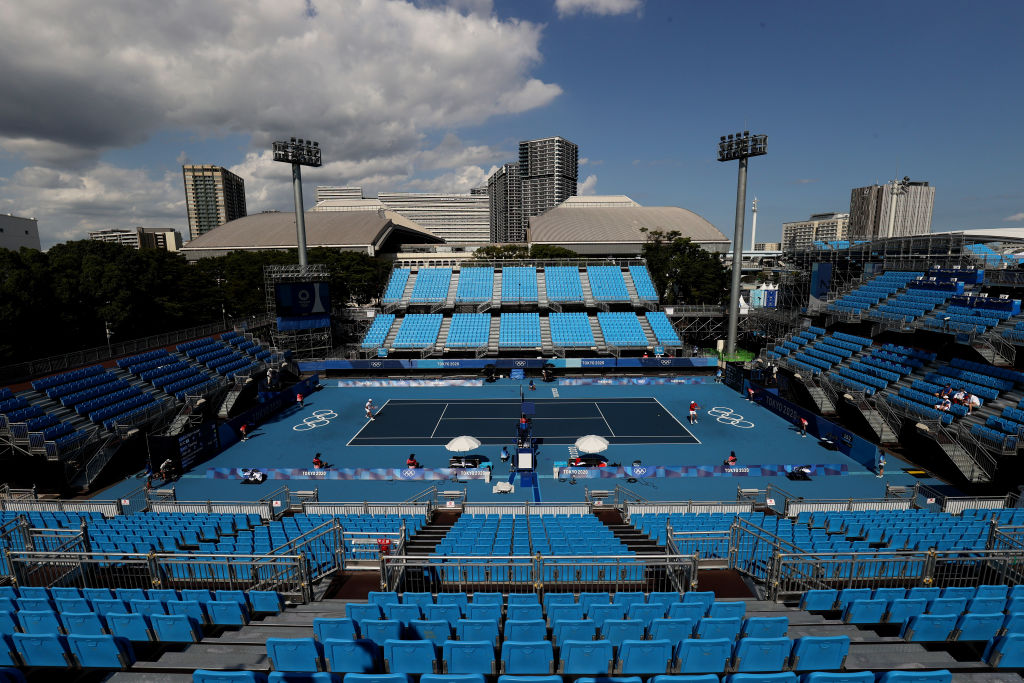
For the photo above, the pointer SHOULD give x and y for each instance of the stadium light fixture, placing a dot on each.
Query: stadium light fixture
(739, 147)
(298, 153)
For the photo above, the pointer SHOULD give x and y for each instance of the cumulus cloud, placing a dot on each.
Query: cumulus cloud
(1015, 218)
(566, 8)
(371, 80)
(587, 186)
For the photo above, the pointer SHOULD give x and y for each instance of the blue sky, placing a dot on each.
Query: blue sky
(433, 95)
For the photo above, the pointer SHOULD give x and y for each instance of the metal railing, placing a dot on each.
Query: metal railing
(264, 510)
(685, 507)
(322, 546)
(108, 508)
(751, 548)
(791, 574)
(286, 574)
(795, 506)
(538, 573)
(326, 508)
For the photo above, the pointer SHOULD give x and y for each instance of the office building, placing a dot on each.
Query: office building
(821, 227)
(326, 192)
(213, 195)
(872, 217)
(548, 169)
(544, 177)
(452, 217)
(17, 232)
(768, 246)
(167, 239)
(504, 192)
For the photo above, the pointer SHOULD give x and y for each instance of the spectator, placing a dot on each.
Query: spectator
(167, 470)
(411, 461)
(803, 427)
(945, 392)
(731, 460)
(972, 402)
(960, 396)
(318, 464)
(944, 405)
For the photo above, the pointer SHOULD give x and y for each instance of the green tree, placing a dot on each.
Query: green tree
(502, 251)
(550, 251)
(683, 272)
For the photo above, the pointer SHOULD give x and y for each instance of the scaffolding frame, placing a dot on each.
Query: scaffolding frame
(311, 344)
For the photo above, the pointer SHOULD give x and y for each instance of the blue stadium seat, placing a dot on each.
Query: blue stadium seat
(645, 657)
(694, 611)
(42, 649)
(380, 630)
(992, 591)
(764, 627)
(761, 654)
(448, 612)
(265, 602)
(483, 611)
(522, 599)
(812, 653)
(704, 656)
(525, 629)
(900, 610)
(207, 676)
(7, 656)
(864, 612)
(175, 628)
(616, 631)
(586, 657)
(986, 605)
(1004, 652)
(148, 607)
(458, 599)
(665, 598)
(551, 599)
(58, 593)
(358, 612)
(818, 600)
(707, 678)
(954, 606)
(645, 613)
(295, 654)
(524, 612)
(404, 614)
(484, 598)
(564, 612)
(436, 631)
(379, 598)
(452, 678)
(134, 627)
(845, 677)
(477, 629)
(129, 594)
(529, 679)
(599, 613)
(978, 626)
(421, 599)
(351, 655)
(722, 610)
(706, 598)
(376, 678)
(710, 628)
(227, 613)
(88, 623)
(200, 595)
(848, 595)
(410, 656)
(575, 629)
(189, 608)
(34, 592)
(965, 592)
(469, 657)
(673, 630)
(339, 628)
(39, 621)
(101, 652)
(527, 658)
(889, 594)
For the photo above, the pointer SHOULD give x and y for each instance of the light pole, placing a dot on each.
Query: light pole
(110, 333)
(741, 147)
(298, 153)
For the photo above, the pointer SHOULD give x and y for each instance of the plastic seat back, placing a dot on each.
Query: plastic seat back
(954, 606)
(1004, 652)
(522, 599)
(564, 612)
(725, 610)
(673, 630)
(978, 626)
(483, 611)
(227, 613)
(965, 592)
(629, 598)
(942, 676)
(889, 594)
(818, 600)
(477, 629)
(902, 609)
(666, 598)
(765, 627)
(704, 656)
(351, 655)
(175, 628)
(525, 629)
(712, 628)
(83, 623)
(819, 652)
(410, 656)
(294, 654)
(848, 595)
(339, 628)
(586, 657)
(524, 612)
(761, 654)
(450, 613)
(645, 657)
(694, 611)
(618, 630)
(265, 602)
(578, 629)
(469, 657)
(101, 652)
(436, 631)
(527, 658)
(381, 598)
(134, 627)
(148, 607)
(189, 608)
(42, 649)
(481, 598)
(551, 599)
(706, 598)
(420, 599)
(588, 598)
(845, 677)
(992, 591)
(645, 613)
(458, 599)
(986, 605)
(359, 612)
(865, 612)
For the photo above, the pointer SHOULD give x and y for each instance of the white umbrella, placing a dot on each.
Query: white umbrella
(462, 444)
(591, 443)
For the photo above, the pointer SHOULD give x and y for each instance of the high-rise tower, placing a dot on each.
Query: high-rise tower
(213, 195)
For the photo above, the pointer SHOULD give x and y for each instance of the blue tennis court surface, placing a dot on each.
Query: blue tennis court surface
(630, 420)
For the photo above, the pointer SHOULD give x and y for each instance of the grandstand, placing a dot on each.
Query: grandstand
(569, 306)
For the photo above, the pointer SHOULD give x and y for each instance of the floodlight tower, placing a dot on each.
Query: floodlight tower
(298, 153)
(740, 146)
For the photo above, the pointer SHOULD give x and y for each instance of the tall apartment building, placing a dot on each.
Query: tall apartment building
(820, 227)
(167, 239)
(213, 195)
(453, 217)
(871, 215)
(17, 232)
(545, 176)
(505, 194)
(325, 192)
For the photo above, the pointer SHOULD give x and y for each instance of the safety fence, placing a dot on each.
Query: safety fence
(794, 507)
(322, 547)
(539, 573)
(527, 508)
(1006, 538)
(107, 508)
(264, 510)
(288, 574)
(791, 574)
(320, 508)
(685, 507)
(752, 547)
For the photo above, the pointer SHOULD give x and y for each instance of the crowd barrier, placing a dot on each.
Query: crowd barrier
(378, 364)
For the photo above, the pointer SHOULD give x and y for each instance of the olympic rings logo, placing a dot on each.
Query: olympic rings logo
(319, 418)
(408, 473)
(520, 363)
(639, 471)
(729, 417)
(375, 364)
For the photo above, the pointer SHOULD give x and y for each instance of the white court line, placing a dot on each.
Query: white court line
(356, 435)
(685, 428)
(439, 420)
(598, 406)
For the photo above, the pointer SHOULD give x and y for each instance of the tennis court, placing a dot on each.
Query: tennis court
(631, 420)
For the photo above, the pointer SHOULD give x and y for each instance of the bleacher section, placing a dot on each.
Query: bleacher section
(520, 330)
(518, 284)
(622, 329)
(469, 330)
(562, 284)
(431, 285)
(396, 286)
(644, 285)
(418, 331)
(973, 314)
(873, 291)
(571, 330)
(606, 283)
(378, 331)
(476, 285)
(662, 328)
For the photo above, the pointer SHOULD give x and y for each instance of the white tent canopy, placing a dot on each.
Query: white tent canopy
(463, 444)
(591, 443)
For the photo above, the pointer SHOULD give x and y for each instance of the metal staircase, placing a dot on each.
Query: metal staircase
(495, 301)
(542, 290)
(392, 333)
(442, 334)
(588, 295)
(545, 334)
(652, 338)
(595, 328)
(492, 338)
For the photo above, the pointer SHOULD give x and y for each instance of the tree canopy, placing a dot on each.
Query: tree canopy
(63, 299)
(521, 251)
(683, 272)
